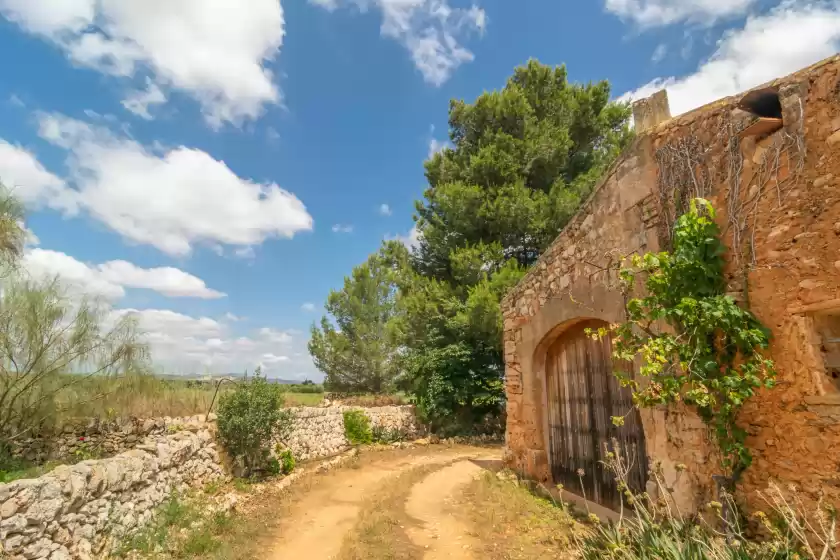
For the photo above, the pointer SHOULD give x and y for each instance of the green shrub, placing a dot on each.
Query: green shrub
(357, 427)
(287, 461)
(249, 418)
(272, 466)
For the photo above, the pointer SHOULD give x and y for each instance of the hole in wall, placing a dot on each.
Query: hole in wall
(766, 108)
(762, 103)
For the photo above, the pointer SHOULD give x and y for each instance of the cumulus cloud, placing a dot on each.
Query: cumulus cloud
(431, 30)
(166, 280)
(652, 13)
(385, 210)
(108, 280)
(308, 307)
(168, 198)
(216, 51)
(782, 41)
(410, 240)
(23, 174)
(140, 101)
(188, 345)
(436, 146)
(339, 228)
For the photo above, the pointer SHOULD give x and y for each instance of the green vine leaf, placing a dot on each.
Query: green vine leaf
(710, 356)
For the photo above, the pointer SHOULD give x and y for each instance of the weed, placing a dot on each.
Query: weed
(357, 427)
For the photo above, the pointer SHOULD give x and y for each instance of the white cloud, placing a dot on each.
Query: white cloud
(651, 13)
(168, 281)
(308, 307)
(410, 240)
(169, 198)
(244, 253)
(184, 344)
(30, 239)
(233, 318)
(16, 101)
(274, 335)
(659, 53)
(272, 359)
(385, 210)
(140, 101)
(109, 279)
(436, 146)
(76, 277)
(214, 50)
(787, 39)
(21, 172)
(338, 228)
(431, 30)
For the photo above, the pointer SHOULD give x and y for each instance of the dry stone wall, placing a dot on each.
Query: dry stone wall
(80, 511)
(85, 510)
(319, 432)
(99, 438)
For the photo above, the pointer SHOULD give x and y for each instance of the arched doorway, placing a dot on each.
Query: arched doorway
(582, 397)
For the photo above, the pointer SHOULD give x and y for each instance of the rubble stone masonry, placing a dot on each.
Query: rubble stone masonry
(778, 203)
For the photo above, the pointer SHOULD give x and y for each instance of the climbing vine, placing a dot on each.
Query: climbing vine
(708, 355)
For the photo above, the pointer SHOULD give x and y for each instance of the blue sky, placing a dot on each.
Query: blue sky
(216, 170)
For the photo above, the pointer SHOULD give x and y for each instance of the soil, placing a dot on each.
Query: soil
(317, 524)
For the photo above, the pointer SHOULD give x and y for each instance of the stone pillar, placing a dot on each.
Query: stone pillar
(647, 113)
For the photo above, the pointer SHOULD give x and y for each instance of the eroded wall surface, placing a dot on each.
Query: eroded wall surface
(778, 201)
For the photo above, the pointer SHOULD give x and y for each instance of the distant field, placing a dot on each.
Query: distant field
(148, 396)
(304, 399)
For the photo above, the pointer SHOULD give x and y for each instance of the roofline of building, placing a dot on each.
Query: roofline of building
(674, 122)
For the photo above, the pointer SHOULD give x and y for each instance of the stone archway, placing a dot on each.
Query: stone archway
(581, 397)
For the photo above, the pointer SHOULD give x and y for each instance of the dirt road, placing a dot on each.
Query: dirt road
(319, 524)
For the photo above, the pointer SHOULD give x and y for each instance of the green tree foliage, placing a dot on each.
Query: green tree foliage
(250, 418)
(522, 160)
(354, 349)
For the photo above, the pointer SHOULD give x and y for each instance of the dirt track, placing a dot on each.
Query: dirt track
(318, 523)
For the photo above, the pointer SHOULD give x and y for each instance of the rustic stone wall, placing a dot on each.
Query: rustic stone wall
(98, 437)
(319, 432)
(79, 511)
(778, 201)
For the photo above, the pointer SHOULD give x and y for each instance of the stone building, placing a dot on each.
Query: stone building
(769, 161)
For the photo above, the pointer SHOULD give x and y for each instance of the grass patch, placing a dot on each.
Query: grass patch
(303, 399)
(379, 532)
(183, 529)
(512, 523)
(17, 469)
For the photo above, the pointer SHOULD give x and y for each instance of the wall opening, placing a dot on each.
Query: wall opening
(766, 107)
(582, 397)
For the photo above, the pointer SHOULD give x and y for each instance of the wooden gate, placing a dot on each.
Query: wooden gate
(583, 396)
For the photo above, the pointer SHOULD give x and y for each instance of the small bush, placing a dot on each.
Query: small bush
(272, 466)
(249, 419)
(357, 427)
(287, 461)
